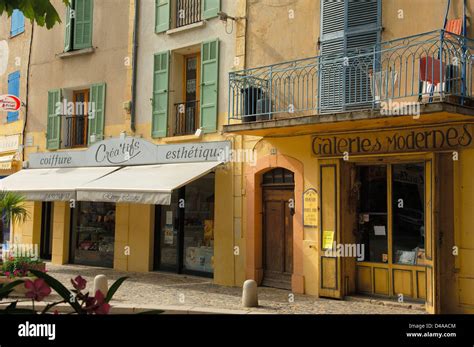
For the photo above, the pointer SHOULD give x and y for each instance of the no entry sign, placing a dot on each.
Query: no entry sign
(9, 103)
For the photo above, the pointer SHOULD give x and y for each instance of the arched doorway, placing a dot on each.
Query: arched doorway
(278, 194)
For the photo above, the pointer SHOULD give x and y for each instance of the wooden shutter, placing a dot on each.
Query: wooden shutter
(68, 31)
(162, 15)
(347, 28)
(97, 116)
(13, 89)
(53, 132)
(17, 23)
(210, 8)
(209, 85)
(330, 264)
(83, 24)
(160, 95)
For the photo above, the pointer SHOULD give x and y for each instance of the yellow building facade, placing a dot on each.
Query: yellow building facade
(362, 132)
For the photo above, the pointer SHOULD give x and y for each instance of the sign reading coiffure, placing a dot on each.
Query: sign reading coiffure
(449, 137)
(131, 151)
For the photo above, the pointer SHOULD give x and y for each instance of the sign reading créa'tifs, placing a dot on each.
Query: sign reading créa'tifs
(448, 137)
(131, 151)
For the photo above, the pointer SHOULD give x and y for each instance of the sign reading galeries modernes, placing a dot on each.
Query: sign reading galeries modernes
(131, 151)
(448, 137)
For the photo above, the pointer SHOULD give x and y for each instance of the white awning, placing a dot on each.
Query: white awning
(52, 184)
(151, 184)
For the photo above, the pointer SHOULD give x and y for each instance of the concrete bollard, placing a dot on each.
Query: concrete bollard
(249, 294)
(100, 283)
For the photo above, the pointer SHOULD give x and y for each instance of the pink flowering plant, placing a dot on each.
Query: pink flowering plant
(39, 288)
(14, 267)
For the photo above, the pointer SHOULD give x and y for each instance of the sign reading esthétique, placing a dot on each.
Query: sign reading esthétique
(448, 137)
(131, 151)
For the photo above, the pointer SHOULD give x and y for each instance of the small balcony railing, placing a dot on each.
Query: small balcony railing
(76, 131)
(424, 68)
(186, 118)
(187, 12)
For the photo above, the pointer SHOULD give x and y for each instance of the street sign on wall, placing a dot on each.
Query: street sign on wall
(9, 103)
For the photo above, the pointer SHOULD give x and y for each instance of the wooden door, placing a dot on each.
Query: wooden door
(430, 239)
(277, 238)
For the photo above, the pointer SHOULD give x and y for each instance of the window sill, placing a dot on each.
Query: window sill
(186, 27)
(17, 34)
(78, 52)
(183, 138)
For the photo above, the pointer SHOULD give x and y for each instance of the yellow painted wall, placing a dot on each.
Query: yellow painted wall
(61, 232)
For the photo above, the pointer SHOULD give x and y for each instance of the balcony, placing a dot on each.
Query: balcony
(186, 118)
(415, 71)
(75, 131)
(187, 12)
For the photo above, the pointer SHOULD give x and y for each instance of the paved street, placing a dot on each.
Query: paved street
(162, 290)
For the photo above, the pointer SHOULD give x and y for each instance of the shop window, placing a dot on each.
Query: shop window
(408, 191)
(93, 234)
(199, 225)
(370, 189)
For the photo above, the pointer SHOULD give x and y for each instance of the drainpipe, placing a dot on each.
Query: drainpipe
(134, 67)
(23, 132)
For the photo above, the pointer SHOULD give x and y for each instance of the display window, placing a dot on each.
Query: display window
(93, 234)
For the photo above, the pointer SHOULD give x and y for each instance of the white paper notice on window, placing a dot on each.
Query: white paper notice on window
(379, 230)
(169, 217)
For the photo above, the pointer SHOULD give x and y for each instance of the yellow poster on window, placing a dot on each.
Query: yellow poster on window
(328, 239)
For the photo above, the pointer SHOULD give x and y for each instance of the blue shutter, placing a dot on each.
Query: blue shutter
(13, 89)
(17, 23)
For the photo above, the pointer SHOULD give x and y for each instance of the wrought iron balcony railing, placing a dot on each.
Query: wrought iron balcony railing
(75, 131)
(187, 12)
(186, 118)
(418, 69)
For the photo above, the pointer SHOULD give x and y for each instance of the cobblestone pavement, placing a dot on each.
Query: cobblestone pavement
(162, 289)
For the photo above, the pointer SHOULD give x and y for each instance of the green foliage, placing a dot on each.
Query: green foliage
(40, 11)
(6, 289)
(13, 206)
(19, 266)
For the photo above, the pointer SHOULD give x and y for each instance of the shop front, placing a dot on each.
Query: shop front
(128, 204)
(380, 212)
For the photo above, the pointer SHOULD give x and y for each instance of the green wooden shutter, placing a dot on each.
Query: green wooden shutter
(67, 35)
(83, 24)
(159, 126)
(209, 85)
(162, 15)
(53, 132)
(210, 8)
(97, 116)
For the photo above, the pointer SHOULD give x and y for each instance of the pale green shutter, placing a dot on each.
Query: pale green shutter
(160, 95)
(53, 132)
(162, 15)
(67, 35)
(83, 24)
(97, 115)
(210, 8)
(209, 85)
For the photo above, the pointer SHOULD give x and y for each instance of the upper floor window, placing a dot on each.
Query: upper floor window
(13, 89)
(179, 13)
(79, 26)
(17, 23)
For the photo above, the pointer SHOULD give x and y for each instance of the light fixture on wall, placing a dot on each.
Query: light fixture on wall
(225, 17)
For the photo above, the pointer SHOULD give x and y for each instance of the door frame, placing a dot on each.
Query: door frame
(429, 159)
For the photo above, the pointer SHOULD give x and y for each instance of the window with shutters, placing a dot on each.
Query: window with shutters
(350, 31)
(17, 25)
(78, 25)
(185, 89)
(76, 119)
(172, 14)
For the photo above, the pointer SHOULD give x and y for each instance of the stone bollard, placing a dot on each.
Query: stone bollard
(249, 294)
(100, 283)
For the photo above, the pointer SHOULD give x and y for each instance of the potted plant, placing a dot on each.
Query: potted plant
(19, 268)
